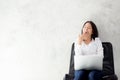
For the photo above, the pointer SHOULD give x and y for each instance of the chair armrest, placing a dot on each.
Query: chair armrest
(110, 77)
(68, 77)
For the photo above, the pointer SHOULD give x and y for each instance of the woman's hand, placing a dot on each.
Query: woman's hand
(82, 37)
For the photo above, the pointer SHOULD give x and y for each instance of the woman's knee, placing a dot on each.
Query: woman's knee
(95, 75)
(79, 74)
(91, 75)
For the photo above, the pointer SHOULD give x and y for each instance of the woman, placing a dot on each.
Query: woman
(88, 43)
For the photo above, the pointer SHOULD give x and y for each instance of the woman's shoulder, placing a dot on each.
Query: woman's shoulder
(98, 41)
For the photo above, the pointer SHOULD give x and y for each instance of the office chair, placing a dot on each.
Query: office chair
(108, 63)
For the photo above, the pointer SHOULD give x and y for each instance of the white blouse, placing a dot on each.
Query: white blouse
(93, 48)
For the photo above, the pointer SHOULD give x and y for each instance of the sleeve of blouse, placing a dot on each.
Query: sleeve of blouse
(99, 47)
(77, 48)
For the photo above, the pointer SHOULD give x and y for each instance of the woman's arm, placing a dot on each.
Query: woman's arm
(78, 47)
(99, 47)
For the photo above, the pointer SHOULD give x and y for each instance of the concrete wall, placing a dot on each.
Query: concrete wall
(36, 35)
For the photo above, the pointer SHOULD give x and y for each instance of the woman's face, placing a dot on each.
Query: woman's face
(87, 29)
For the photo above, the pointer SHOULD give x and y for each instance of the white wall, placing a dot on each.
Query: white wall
(36, 35)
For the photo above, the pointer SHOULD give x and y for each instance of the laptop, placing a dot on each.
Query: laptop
(88, 62)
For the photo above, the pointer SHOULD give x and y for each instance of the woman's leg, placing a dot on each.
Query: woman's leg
(80, 75)
(95, 75)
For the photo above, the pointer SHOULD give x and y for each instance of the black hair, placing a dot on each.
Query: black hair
(94, 29)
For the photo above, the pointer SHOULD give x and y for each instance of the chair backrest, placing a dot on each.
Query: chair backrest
(108, 61)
